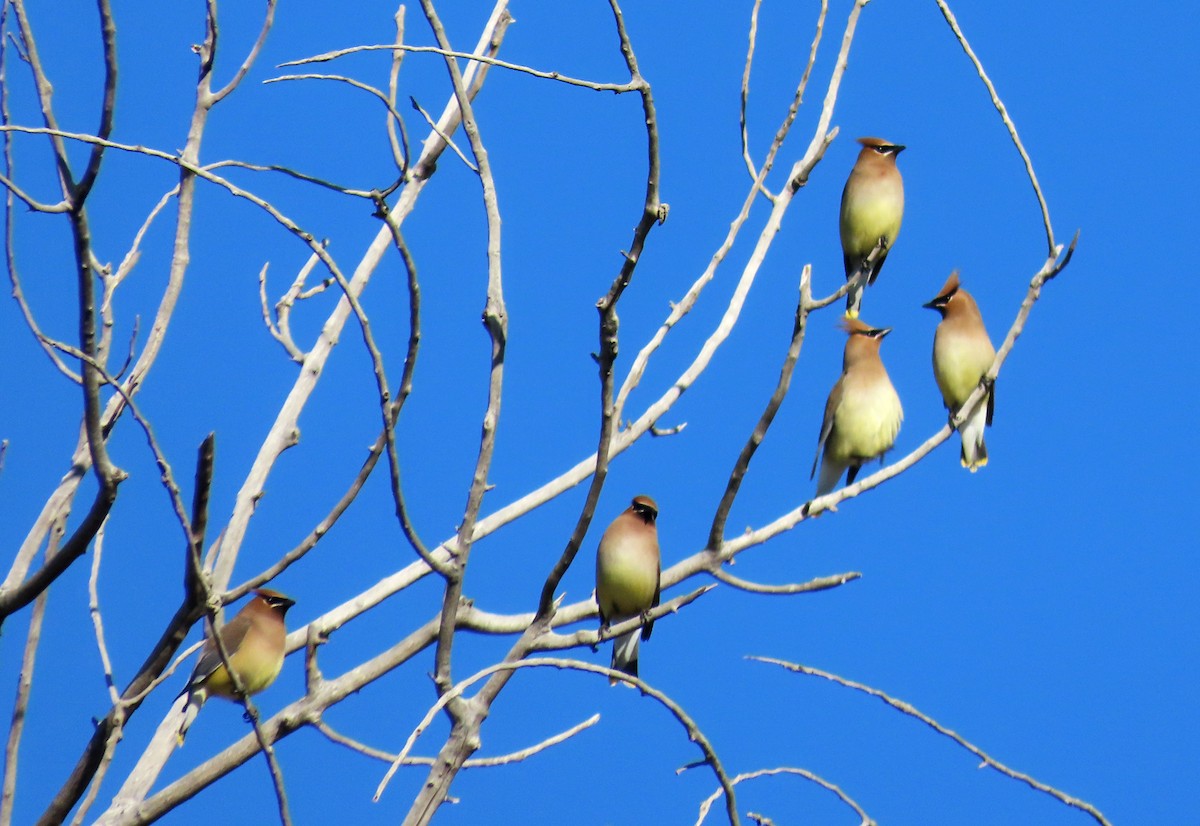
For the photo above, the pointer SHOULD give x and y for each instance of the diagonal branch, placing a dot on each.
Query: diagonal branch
(904, 707)
(1004, 116)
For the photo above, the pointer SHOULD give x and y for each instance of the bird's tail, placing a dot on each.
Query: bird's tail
(195, 700)
(854, 297)
(625, 654)
(974, 453)
(831, 473)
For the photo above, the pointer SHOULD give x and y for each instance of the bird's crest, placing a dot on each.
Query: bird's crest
(949, 288)
(942, 300)
(858, 327)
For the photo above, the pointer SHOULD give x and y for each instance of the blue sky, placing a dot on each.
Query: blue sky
(1043, 608)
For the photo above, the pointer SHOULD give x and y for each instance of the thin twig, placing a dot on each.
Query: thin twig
(469, 56)
(287, 341)
(695, 734)
(820, 781)
(823, 583)
(906, 708)
(716, 533)
(473, 763)
(16, 729)
(399, 144)
(268, 20)
(1004, 116)
(106, 663)
(446, 138)
(495, 319)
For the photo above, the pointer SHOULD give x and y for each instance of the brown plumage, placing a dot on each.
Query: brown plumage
(863, 412)
(254, 641)
(962, 354)
(628, 566)
(872, 210)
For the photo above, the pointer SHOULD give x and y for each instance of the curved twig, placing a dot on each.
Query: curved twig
(693, 731)
(900, 705)
(807, 775)
(1004, 116)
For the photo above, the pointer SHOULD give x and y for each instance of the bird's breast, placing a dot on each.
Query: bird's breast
(626, 578)
(867, 421)
(959, 362)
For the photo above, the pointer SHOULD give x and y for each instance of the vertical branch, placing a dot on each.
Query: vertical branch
(399, 145)
(108, 37)
(16, 728)
(404, 389)
(193, 571)
(110, 743)
(467, 716)
(495, 319)
(653, 213)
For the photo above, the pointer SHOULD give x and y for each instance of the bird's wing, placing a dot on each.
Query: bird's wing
(649, 627)
(232, 633)
(835, 398)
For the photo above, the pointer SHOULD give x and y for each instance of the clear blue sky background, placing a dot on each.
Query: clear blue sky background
(1045, 608)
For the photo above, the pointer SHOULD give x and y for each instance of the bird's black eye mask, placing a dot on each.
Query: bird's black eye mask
(942, 300)
(646, 512)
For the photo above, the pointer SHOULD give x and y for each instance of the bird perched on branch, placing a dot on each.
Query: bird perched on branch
(628, 566)
(962, 354)
(863, 413)
(872, 208)
(254, 642)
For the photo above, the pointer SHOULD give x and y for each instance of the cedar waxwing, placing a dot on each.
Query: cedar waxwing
(627, 570)
(254, 641)
(962, 353)
(863, 414)
(872, 208)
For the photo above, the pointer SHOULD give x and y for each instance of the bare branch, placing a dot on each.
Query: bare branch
(695, 734)
(114, 737)
(825, 784)
(473, 763)
(287, 341)
(819, 584)
(717, 531)
(904, 707)
(1008, 123)
(399, 145)
(268, 20)
(16, 728)
(445, 138)
(470, 56)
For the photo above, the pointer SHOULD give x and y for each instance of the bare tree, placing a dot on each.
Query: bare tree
(331, 299)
